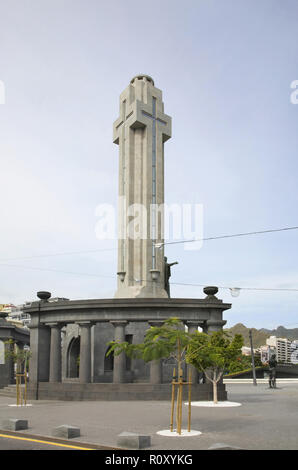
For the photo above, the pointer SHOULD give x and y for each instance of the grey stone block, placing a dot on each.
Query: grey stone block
(133, 440)
(221, 446)
(14, 424)
(66, 431)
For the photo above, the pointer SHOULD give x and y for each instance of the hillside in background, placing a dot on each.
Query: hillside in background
(260, 336)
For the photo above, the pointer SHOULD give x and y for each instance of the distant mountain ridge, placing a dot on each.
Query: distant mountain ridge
(283, 332)
(259, 336)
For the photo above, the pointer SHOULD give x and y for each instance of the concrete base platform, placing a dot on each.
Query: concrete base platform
(174, 433)
(211, 404)
(118, 392)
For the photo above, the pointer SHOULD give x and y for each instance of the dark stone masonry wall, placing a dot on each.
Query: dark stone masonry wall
(119, 392)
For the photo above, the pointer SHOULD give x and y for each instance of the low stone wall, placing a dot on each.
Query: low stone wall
(118, 392)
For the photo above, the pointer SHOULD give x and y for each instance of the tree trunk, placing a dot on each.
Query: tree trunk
(214, 381)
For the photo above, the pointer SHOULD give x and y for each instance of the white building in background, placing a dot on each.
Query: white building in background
(246, 351)
(266, 352)
(17, 316)
(294, 352)
(285, 349)
(5, 308)
(14, 319)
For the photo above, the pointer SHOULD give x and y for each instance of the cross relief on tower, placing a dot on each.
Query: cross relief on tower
(141, 131)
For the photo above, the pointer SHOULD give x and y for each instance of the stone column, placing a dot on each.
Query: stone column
(193, 328)
(119, 361)
(55, 352)
(215, 322)
(156, 366)
(40, 353)
(85, 351)
(9, 347)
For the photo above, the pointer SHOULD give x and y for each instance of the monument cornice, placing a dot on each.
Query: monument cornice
(130, 309)
(13, 331)
(127, 303)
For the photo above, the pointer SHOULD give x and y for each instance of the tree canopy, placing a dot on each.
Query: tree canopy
(213, 352)
(168, 340)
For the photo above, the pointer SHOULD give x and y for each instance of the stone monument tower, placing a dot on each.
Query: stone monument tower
(78, 368)
(141, 131)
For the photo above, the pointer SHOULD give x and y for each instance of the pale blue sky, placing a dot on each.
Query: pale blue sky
(225, 68)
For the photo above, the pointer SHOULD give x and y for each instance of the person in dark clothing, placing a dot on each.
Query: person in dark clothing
(272, 371)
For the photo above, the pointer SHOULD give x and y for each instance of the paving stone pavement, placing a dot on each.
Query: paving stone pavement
(267, 419)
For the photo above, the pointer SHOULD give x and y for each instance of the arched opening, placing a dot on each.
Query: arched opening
(73, 358)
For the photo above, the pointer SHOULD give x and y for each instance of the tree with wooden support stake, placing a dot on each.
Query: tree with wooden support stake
(20, 358)
(163, 342)
(180, 383)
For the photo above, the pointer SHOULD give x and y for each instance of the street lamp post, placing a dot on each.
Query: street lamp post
(252, 359)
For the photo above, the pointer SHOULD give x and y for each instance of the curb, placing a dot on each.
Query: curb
(50, 439)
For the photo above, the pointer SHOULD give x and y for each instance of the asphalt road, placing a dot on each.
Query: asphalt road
(266, 420)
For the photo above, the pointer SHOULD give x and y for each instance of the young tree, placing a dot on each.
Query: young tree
(212, 354)
(161, 342)
(20, 357)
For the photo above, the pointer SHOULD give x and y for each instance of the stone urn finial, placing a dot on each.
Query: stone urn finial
(44, 295)
(210, 291)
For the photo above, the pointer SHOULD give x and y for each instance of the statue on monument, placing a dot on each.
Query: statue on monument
(168, 274)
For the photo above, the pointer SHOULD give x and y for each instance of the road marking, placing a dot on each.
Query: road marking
(43, 442)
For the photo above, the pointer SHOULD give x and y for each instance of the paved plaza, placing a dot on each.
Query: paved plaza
(267, 419)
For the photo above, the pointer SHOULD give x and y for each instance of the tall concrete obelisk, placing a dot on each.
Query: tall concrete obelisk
(141, 131)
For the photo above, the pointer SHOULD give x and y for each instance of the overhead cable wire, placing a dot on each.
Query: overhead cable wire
(66, 253)
(147, 280)
(234, 235)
